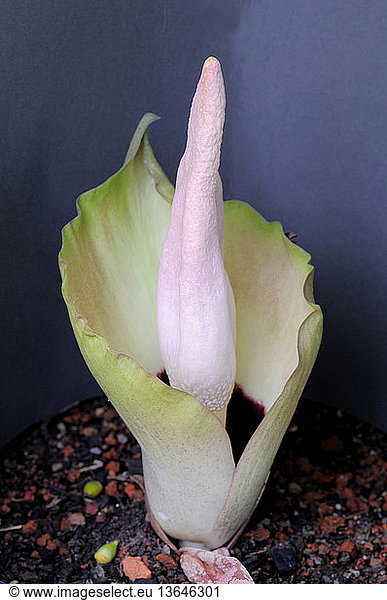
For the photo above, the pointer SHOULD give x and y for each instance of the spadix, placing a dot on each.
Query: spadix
(196, 309)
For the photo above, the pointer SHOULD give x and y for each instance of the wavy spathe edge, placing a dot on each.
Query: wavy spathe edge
(301, 261)
(139, 138)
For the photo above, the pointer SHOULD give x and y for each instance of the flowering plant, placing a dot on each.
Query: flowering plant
(157, 279)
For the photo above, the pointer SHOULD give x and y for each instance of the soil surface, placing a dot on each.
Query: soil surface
(320, 519)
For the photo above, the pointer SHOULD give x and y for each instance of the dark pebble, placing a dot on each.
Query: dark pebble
(142, 581)
(103, 501)
(285, 558)
(253, 561)
(78, 534)
(133, 466)
(59, 490)
(47, 555)
(344, 558)
(66, 570)
(49, 529)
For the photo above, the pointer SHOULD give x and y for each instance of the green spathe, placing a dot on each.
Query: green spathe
(109, 265)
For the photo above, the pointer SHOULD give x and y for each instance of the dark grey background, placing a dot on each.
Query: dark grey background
(305, 143)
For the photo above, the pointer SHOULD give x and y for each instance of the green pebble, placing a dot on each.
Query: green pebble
(106, 553)
(92, 489)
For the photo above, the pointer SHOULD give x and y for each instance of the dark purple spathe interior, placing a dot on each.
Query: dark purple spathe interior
(243, 417)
